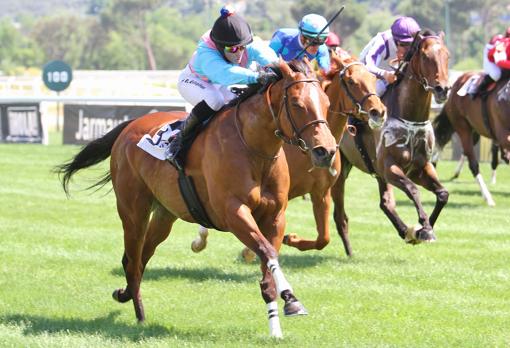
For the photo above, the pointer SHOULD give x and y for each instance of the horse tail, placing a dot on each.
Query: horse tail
(443, 129)
(94, 152)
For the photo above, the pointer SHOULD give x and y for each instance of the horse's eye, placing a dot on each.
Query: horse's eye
(350, 81)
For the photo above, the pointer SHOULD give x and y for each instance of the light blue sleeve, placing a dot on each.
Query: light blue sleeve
(323, 58)
(211, 64)
(261, 53)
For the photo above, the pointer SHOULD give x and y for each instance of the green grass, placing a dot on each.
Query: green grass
(60, 261)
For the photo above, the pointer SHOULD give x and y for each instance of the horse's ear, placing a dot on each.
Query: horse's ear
(308, 64)
(285, 68)
(442, 35)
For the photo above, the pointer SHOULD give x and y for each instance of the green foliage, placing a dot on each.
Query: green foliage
(17, 50)
(61, 259)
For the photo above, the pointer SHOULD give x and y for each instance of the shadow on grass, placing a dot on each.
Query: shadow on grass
(306, 260)
(104, 326)
(193, 274)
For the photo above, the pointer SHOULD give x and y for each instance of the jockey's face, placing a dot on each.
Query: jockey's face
(314, 45)
(234, 54)
(402, 48)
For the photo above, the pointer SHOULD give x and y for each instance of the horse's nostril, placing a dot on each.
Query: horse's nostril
(374, 113)
(439, 89)
(320, 151)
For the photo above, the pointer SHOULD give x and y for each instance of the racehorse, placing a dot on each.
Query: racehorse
(350, 88)
(399, 154)
(240, 174)
(465, 115)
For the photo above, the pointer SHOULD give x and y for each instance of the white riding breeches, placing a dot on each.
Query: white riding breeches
(489, 67)
(380, 87)
(193, 89)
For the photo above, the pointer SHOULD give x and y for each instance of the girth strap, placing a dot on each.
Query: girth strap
(360, 145)
(195, 207)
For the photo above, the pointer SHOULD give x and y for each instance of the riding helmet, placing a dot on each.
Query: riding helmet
(231, 29)
(312, 24)
(404, 28)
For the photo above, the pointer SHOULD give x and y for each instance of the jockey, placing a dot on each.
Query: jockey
(333, 42)
(221, 59)
(491, 67)
(388, 47)
(312, 33)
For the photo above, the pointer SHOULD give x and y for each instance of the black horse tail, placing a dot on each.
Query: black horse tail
(94, 152)
(443, 129)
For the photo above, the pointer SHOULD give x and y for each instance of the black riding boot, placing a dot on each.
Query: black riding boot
(482, 87)
(178, 147)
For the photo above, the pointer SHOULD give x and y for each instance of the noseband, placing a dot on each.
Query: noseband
(296, 138)
(358, 105)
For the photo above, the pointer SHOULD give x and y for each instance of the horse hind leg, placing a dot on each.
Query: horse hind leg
(339, 215)
(134, 214)
(200, 242)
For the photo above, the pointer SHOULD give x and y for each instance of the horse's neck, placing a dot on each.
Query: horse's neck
(409, 100)
(338, 101)
(257, 127)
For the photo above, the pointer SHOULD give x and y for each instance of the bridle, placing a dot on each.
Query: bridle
(358, 105)
(296, 138)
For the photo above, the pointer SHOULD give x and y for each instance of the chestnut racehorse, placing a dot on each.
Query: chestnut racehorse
(351, 91)
(240, 173)
(400, 152)
(464, 115)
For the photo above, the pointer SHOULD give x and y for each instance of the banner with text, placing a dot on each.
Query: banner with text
(84, 123)
(20, 123)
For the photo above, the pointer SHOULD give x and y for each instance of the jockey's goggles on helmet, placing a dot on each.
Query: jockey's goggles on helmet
(234, 49)
(403, 44)
(314, 41)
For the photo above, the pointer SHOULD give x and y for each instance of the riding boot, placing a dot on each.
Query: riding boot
(178, 146)
(482, 87)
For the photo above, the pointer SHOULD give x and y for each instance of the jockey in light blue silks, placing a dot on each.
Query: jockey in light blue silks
(386, 49)
(221, 59)
(289, 42)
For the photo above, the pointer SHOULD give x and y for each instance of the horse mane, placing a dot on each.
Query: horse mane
(337, 62)
(252, 89)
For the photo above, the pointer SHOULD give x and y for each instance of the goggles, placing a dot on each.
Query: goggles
(314, 41)
(234, 49)
(403, 44)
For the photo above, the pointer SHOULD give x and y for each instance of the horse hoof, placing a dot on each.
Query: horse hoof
(294, 308)
(198, 245)
(411, 234)
(121, 295)
(248, 255)
(426, 236)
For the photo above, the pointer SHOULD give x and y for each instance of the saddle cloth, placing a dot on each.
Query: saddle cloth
(157, 144)
(469, 86)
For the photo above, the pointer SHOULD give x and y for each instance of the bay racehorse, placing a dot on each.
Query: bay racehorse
(486, 115)
(240, 173)
(399, 154)
(350, 88)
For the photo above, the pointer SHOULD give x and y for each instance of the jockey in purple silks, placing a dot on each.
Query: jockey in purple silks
(386, 49)
(222, 59)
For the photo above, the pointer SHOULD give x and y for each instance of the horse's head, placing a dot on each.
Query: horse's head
(429, 64)
(352, 91)
(301, 116)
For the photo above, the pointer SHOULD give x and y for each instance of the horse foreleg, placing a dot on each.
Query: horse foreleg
(494, 160)
(339, 214)
(321, 203)
(200, 242)
(460, 165)
(241, 222)
(388, 205)
(395, 176)
(429, 180)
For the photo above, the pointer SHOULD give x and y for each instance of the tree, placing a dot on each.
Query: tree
(17, 50)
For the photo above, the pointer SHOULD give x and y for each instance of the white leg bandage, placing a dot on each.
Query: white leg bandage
(485, 191)
(274, 321)
(279, 278)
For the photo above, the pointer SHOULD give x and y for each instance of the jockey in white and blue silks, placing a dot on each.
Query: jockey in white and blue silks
(221, 59)
(290, 42)
(387, 48)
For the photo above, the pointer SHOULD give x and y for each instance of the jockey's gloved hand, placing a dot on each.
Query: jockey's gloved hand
(267, 76)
